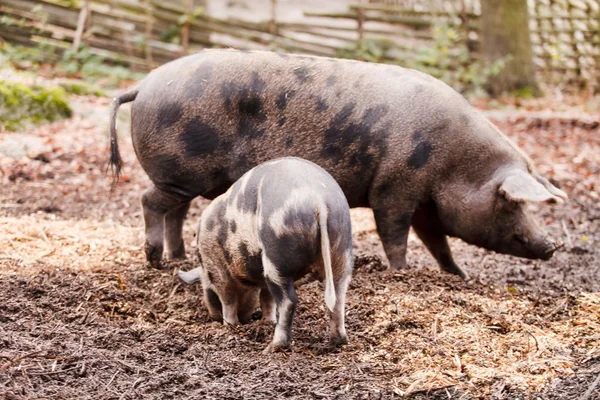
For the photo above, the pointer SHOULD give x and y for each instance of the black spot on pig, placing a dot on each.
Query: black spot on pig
(363, 137)
(303, 74)
(250, 109)
(217, 215)
(252, 263)
(275, 290)
(201, 140)
(196, 86)
(417, 136)
(321, 105)
(250, 106)
(292, 252)
(169, 113)
(281, 121)
(420, 155)
(228, 92)
(247, 200)
(210, 223)
(233, 227)
(374, 114)
(289, 141)
(282, 99)
(171, 175)
(341, 117)
(234, 192)
(213, 300)
(222, 240)
(257, 85)
(331, 80)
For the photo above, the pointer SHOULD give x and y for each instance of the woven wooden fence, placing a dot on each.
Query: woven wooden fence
(146, 33)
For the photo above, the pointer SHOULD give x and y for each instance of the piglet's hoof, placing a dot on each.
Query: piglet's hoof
(338, 341)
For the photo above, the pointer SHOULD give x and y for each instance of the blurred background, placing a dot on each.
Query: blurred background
(518, 47)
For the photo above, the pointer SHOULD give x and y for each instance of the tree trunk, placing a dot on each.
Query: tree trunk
(505, 33)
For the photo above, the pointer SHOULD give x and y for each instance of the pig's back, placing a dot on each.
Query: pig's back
(216, 114)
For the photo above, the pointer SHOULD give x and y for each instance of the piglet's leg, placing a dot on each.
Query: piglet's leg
(267, 306)
(230, 310)
(337, 327)
(284, 294)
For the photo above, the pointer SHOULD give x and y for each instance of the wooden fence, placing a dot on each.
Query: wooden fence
(146, 33)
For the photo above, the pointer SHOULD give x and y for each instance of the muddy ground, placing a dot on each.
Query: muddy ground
(81, 316)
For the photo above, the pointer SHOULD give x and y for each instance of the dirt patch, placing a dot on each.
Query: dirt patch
(82, 317)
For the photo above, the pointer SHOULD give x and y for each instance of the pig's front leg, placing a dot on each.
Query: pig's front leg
(174, 232)
(393, 225)
(428, 227)
(284, 294)
(230, 313)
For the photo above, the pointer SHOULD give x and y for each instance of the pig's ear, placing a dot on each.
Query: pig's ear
(520, 187)
(551, 188)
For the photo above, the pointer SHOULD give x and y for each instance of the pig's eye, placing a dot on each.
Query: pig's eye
(521, 239)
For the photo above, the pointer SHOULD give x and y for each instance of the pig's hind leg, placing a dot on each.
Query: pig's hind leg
(337, 327)
(284, 294)
(156, 204)
(174, 232)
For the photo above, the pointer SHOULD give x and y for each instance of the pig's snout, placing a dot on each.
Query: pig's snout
(550, 246)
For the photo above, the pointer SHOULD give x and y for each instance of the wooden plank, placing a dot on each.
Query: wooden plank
(405, 11)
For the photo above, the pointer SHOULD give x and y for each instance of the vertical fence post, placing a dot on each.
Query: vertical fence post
(185, 31)
(148, 34)
(273, 21)
(360, 21)
(83, 14)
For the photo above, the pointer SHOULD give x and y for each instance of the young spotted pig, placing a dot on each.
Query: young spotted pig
(281, 220)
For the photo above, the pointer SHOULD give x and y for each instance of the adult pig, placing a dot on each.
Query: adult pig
(283, 219)
(396, 140)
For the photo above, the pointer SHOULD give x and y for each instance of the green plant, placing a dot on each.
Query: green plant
(371, 50)
(81, 88)
(21, 105)
(450, 60)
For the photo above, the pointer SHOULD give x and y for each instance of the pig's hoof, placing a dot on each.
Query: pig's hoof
(398, 266)
(456, 270)
(338, 340)
(277, 347)
(177, 254)
(153, 255)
